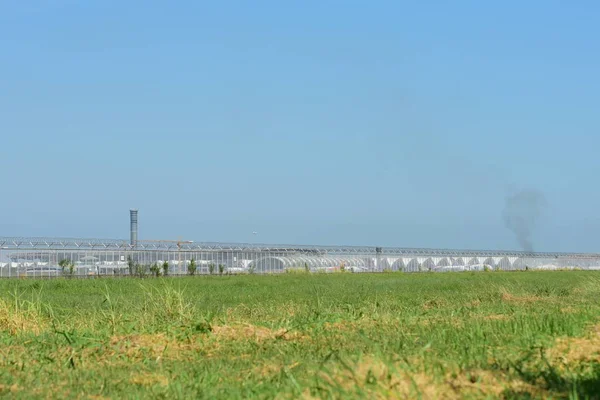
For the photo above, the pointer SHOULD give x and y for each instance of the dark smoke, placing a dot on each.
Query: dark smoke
(521, 213)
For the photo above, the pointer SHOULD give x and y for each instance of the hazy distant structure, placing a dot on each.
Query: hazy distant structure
(133, 224)
(41, 257)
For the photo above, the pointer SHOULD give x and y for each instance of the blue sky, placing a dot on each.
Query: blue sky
(333, 122)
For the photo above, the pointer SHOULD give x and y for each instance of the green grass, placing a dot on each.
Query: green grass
(460, 335)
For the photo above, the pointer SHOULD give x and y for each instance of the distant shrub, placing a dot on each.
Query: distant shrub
(141, 270)
(155, 270)
(63, 265)
(192, 267)
(221, 269)
(211, 268)
(297, 270)
(131, 265)
(165, 267)
(67, 267)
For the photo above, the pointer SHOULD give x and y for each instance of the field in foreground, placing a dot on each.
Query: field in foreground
(430, 336)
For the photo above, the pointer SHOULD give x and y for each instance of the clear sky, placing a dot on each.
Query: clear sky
(386, 123)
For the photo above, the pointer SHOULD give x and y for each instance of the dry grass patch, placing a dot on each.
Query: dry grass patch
(474, 303)
(156, 344)
(21, 317)
(342, 326)
(377, 379)
(577, 350)
(148, 379)
(367, 323)
(12, 352)
(433, 304)
(6, 389)
(249, 332)
(125, 349)
(511, 298)
(271, 369)
(481, 383)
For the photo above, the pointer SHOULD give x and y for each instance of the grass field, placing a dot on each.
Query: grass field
(391, 335)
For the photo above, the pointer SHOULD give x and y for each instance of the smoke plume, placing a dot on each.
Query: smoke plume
(521, 213)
